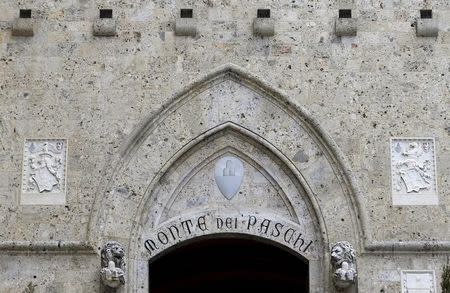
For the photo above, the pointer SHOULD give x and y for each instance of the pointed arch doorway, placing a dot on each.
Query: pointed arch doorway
(229, 263)
(297, 189)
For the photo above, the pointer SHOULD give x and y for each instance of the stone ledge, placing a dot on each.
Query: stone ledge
(408, 247)
(43, 247)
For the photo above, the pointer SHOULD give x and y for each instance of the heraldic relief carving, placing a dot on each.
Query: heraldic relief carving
(228, 173)
(418, 281)
(413, 168)
(44, 166)
(343, 259)
(113, 264)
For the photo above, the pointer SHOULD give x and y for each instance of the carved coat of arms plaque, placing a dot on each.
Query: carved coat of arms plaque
(418, 281)
(413, 168)
(44, 171)
(228, 174)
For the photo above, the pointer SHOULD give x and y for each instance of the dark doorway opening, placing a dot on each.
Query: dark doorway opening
(229, 265)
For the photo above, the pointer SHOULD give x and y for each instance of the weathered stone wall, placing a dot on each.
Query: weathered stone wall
(95, 91)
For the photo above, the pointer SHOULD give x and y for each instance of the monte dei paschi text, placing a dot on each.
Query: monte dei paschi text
(208, 224)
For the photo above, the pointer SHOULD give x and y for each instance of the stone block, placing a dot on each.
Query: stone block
(105, 27)
(23, 27)
(346, 27)
(264, 27)
(186, 27)
(427, 27)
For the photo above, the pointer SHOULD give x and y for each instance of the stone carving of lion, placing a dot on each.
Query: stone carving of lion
(343, 259)
(113, 264)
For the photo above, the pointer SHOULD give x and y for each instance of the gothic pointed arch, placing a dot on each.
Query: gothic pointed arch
(296, 174)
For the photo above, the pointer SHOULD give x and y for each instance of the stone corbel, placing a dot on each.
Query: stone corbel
(24, 25)
(186, 24)
(346, 27)
(112, 272)
(263, 24)
(343, 260)
(427, 27)
(264, 27)
(345, 24)
(105, 25)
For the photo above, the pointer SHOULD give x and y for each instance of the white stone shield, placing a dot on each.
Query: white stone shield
(229, 173)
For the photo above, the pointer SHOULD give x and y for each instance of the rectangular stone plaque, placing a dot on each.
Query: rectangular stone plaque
(44, 172)
(418, 282)
(413, 171)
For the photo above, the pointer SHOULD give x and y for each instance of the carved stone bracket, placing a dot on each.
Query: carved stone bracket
(113, 264)
(343, 259)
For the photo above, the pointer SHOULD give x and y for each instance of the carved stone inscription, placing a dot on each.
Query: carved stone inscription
(413, 171)
(418, 281)
(44, 171)
(206, 224)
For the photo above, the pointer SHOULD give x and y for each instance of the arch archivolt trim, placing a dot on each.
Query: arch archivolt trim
(162, 197)
(144, 176)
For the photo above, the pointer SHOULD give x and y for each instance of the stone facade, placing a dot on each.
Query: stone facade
(144, 117)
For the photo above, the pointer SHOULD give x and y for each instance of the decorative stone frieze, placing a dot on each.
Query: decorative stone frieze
(113, 264)
(343, 259)
(418, 281)
(44, 172)
(413, 167)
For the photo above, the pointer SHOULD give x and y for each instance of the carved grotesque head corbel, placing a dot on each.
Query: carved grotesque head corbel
(343, 259)
(113, 264)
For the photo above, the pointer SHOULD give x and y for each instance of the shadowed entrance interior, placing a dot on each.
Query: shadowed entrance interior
(229, 265)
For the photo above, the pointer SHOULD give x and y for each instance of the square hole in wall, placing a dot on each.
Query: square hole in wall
(426, 13)
(345, 13)
(263, 13)
(106, 13)
(25, 13)
(186, 13)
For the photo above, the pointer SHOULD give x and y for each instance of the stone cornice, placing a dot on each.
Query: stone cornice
(46, 247)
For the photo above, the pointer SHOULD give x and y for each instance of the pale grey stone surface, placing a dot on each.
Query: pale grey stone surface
(147, 114)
